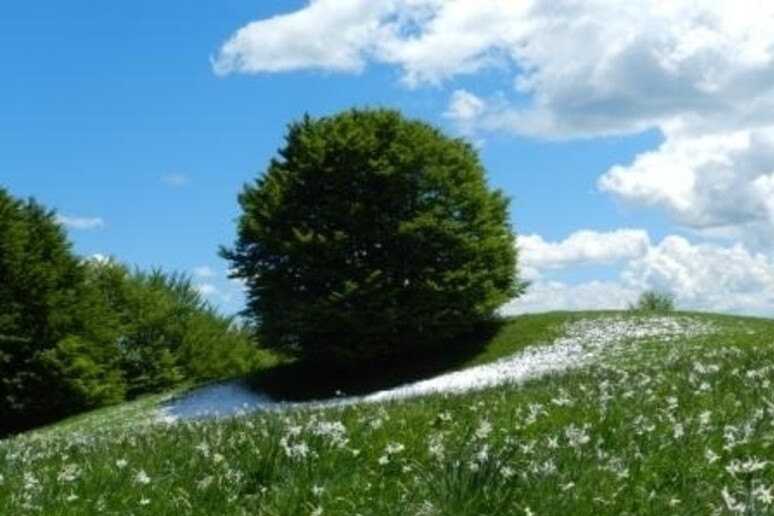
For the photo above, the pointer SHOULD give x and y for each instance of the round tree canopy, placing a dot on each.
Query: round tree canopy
(371, 235)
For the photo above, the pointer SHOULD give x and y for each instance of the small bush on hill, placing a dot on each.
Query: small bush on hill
(654, 301)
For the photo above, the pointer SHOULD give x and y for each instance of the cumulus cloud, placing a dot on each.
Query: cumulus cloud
(554, 295)
(328, 34)
(702, 73)
(707, 276)
(82, 223)
(203, 272)
(702, 276)
(216, 288)
(583, 248)
(175, 180)
(207, 289)
(719, 183)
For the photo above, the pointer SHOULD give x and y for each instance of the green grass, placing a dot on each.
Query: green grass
(655, 425)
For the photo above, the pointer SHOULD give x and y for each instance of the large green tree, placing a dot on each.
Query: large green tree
(372, 235)
(56, 353)
(78, 334)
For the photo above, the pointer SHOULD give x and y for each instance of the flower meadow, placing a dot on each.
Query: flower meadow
(630, 414)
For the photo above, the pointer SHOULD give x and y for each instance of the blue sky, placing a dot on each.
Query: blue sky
(636, 139)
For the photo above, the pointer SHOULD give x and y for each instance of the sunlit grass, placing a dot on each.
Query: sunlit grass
(677, 423)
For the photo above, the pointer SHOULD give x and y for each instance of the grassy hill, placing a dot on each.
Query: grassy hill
(629, 414)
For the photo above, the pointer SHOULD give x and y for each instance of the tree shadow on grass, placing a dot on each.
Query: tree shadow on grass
(307, 380)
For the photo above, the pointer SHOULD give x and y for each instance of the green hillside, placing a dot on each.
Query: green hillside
(604, 413)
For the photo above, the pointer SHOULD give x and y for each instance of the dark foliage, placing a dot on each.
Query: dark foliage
(165, 332)
(56, 357)
(372, 236)
(76, 335)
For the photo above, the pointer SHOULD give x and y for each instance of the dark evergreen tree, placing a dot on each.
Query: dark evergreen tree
(56, 354)
(371, 235)
(78, 334)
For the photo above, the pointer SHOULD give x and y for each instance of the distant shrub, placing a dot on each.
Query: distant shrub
(166, 333)
(654, 301)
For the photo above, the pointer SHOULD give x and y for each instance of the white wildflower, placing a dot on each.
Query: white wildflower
(393, 448)
(748, 466)
(334, 431)
(483, 454)
(297, 450)
(507, 472)
(763, 494)
(435, 447)
(484, 429)
(731, 503)
(563, 400)
(121, 463)
(711, 456)
(144, 501)
(30, 481)
(142, 478)
(68, 473)
(294, 431)
(203, 448)
(576, 436)
(318, 511)
(204, 483)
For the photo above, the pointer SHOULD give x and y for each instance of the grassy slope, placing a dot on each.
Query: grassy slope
(684, 426)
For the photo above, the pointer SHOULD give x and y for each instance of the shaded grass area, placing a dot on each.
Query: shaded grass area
(306, 380)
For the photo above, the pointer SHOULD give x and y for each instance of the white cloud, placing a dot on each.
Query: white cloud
(327, 34)
(84, 223)
(549, 296)
(176, 180)
(700, 73)
(465, 109)
(213, 286)
(207, 289)
(99, 259)
(721, 183)
(203, 272)
(702, 276)
(583, 248)
(706, 276)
